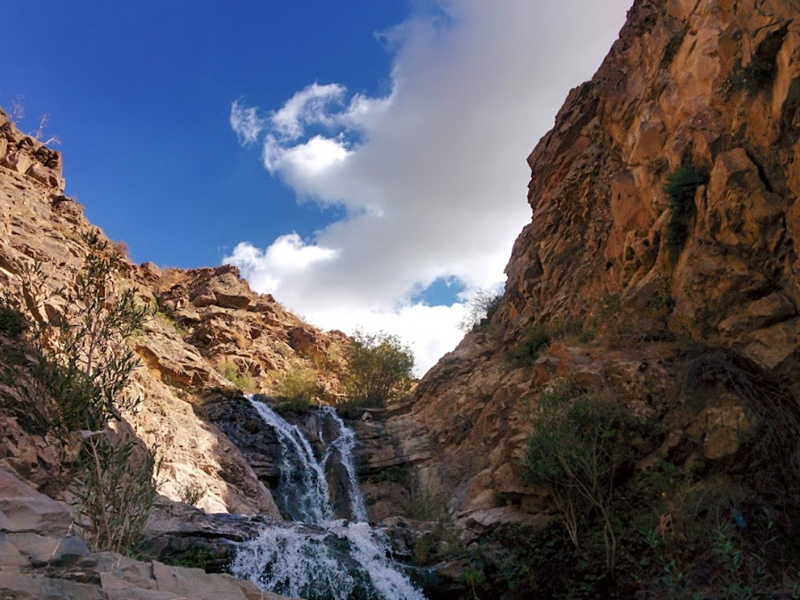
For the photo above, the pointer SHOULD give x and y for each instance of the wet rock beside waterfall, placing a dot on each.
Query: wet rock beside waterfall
(238, 420)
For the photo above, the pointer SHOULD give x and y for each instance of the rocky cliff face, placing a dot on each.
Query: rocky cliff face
(710, 88)
(710, 84)
(209, 324)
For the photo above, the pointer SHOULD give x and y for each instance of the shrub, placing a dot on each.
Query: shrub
(116, 488)
(572, 330)
(298, 389)
(754, 76)
(122, 250)
(192, 492)
(12, 322)
(479, 310)
(89, 362)
(379, 369)
(681, 187)
(474, 578)
(422, 505)
(87, 368)
(576, 446)
(243, 381)
(525, 352)
(163, 312)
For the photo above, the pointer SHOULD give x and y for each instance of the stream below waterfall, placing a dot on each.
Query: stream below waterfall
(317, 556)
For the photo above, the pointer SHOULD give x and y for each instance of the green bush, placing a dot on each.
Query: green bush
(577, 443)
(192, 492)
(243, 381)
(12, 322)
(87, 369)
(572, 330)
(379, 369)
(525, 352)
(116, 488)
(753, 77)
(681, 187)
(298, 389)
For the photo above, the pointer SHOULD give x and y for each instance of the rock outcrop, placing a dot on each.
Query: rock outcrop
(715, 85)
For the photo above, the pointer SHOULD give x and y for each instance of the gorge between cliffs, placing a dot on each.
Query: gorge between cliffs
(623, 421)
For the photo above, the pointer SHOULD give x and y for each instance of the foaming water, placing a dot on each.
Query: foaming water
(338, 561)
(303, 491)
(315, 557)
(345, 445)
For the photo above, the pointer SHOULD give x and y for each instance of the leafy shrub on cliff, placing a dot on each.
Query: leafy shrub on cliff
(242, 380)
(379, 369)
(12, 323)
(87, 368)
(685, 525)
(754, 76)
(527, 350)
(681, 187)
(298, 390)
(577, 443)
(89, 362)
(192, 492)
(116, 488)
(479, 310)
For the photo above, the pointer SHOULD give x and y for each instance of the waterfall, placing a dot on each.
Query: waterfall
(344, 444)
(303, 491)
(315, 557)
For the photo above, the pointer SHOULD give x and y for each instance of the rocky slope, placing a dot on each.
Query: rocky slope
(210, 330)
(710, 88)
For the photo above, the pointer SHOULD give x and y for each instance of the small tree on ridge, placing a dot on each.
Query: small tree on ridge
(379, 368)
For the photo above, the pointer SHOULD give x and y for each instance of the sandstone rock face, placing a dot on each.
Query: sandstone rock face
(715, 85)
(677, 88)
(207, 318)
(27, 156)
(224, 322)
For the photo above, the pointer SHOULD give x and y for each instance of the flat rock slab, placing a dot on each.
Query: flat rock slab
(53, 551)
(195, 583)
(22, 509)
(20, 586)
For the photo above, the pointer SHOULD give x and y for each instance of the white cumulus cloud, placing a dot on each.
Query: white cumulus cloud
(433, 175)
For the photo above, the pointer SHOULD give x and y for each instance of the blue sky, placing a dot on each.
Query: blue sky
(139, 94)
(364, 161)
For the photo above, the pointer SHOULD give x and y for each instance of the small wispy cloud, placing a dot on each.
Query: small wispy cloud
(245, 122)
(310, 106)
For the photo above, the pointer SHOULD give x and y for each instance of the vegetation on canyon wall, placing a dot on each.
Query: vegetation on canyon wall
(379, 369)
(85, 365)
(636, 513)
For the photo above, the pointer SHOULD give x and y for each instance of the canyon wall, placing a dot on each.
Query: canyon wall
(707, 88)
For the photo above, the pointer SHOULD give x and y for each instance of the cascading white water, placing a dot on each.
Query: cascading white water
(298, 561)
(345, 444)
(303, 488)
(318, 558)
